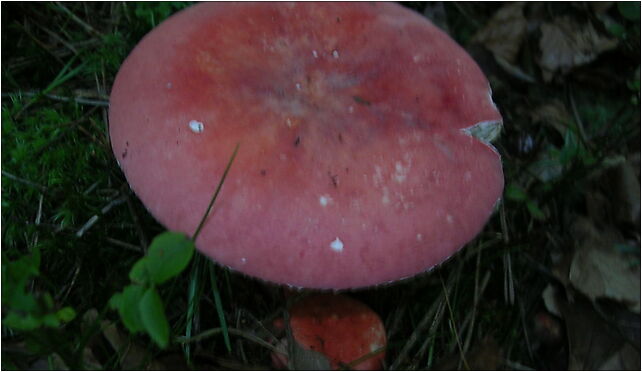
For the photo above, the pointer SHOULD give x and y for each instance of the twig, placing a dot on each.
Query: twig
(82, 101)
(39, 214)
(41, 44)
(60, 39)
(75, 18)
(509, 288)
(232, 331)
(62, 298)
(578, 121)
(125, 245)
(95, 217)
(26, 182)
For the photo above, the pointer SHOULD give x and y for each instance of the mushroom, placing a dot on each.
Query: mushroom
(364, 132)
(345, 332)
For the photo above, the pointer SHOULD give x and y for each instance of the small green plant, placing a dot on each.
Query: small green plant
(25, 310)
(516, 193)
(139, 304)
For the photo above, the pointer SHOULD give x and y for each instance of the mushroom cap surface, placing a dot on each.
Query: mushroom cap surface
(340, 328)
(356, 165)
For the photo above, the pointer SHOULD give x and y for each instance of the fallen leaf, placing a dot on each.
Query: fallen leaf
(625, 359)
(600, 270)
(627, 194)
(504, 32)
(550, 302)
(565, 43)
(553, 113)
(485, 355)
(591, 340)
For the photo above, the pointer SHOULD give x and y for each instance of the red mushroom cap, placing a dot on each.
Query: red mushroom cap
(357, 165)
(342, 329)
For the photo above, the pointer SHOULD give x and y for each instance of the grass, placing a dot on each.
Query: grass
(72, 229)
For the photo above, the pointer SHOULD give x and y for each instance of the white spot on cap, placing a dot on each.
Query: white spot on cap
(335, 53)
(298, 86)
(288, 122)
(401, 170)
(315, 54)
(351, 109)
(420, 237)
(169, 85)
(196, 126)
(324, 200)
(385, 199)
(449, 218)
(243, 260)
(336, 245)
(374, 347)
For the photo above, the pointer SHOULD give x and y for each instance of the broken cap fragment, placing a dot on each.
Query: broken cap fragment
(344, 331)
(359, 162)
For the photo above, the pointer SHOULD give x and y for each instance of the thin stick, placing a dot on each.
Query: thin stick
(82, 101)
(125, 245)
(22, 180)
(218, 189)
(39, 215)
(95, 217)
(75, 18)
(232, 331)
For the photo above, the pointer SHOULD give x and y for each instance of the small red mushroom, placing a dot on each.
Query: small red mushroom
(361, 161)
(339, 328)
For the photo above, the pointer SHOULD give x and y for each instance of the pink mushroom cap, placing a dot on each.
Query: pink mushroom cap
(356, 164)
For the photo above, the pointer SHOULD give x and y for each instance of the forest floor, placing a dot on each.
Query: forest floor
(552, 282)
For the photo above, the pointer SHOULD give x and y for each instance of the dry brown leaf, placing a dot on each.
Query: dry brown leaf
(628, 194)
(599, 270)
(600, 273)
(549, 295)
(555, 114)
(626, 359)
(591, 340)
(565, 43)
(504, 32)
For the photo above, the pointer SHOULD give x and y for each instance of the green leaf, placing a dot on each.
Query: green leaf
(515, 193)
(629, 10)
(535, 211)
(115, 301)
(50, 320)
(152, 314)
(168, 255)
(66, 314)
(128, 307)
(139, 273)
(25, 323)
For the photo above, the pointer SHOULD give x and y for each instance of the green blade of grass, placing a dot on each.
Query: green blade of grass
(194, 292)
(219, 308)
